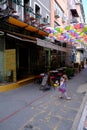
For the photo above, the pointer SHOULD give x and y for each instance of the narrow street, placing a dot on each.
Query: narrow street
(43, 38)
(29, 108)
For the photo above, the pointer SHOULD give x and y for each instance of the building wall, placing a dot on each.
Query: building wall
(81, 17)
(63, 6)
(1, 58)
(52, 13)
(44, 5)
(10, 62)
(70, 5)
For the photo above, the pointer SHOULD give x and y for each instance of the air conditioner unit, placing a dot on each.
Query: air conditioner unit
(56, 13)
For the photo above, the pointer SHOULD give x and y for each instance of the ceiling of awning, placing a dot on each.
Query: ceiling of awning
(36, 41)
(26, 26)
(22, 36)
(21, 39)
(44, 43)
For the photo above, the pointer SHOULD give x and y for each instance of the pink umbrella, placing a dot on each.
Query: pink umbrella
(78, 25)
(49, 30)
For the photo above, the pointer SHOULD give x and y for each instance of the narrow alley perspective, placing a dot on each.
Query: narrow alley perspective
(29, 108)
(43, 65)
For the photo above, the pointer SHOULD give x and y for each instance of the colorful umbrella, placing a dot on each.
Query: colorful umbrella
(69, 27)
(78, 25)
(75, 33)
(85, 29)
(59, 29)
(49, 29)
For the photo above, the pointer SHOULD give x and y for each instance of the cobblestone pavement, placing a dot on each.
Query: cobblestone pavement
(29, 108)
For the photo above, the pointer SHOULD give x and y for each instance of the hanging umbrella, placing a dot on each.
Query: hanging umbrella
(69, 27)
(85, 29)
(51, 36)
(85, 39)
(78, 26)
(59, 29)
(49, 29)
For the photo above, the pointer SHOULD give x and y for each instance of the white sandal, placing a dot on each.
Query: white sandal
(68, 98)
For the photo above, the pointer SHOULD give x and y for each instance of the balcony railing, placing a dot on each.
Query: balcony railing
(35, 19)
(30, 17)
(29, 9)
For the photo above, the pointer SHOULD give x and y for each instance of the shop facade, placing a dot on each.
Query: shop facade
(24, 56)
(24, 49)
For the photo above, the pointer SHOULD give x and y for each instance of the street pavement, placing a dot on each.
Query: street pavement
(29, 108)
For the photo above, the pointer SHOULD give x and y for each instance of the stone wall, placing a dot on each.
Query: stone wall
(10, 62)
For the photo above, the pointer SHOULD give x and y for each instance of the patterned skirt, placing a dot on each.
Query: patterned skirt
(62, 88)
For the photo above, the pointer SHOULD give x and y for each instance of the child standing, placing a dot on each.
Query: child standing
(62, 87)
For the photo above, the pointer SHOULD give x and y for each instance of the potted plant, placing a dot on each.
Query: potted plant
(69, 72)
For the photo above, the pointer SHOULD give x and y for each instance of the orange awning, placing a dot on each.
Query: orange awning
(17, 22)
(30, 28)
(40, 32)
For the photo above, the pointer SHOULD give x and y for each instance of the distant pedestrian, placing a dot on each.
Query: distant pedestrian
(63, 87)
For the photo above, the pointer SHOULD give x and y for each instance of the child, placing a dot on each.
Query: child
(62, 87)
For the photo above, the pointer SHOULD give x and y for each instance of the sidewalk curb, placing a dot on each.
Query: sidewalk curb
(9, 87)
(12, 86)
(79, 114)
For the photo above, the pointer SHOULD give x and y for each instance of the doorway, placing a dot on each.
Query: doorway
(23, 63)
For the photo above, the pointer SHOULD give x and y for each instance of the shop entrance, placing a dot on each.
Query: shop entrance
(23, 58)
(23, 63)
